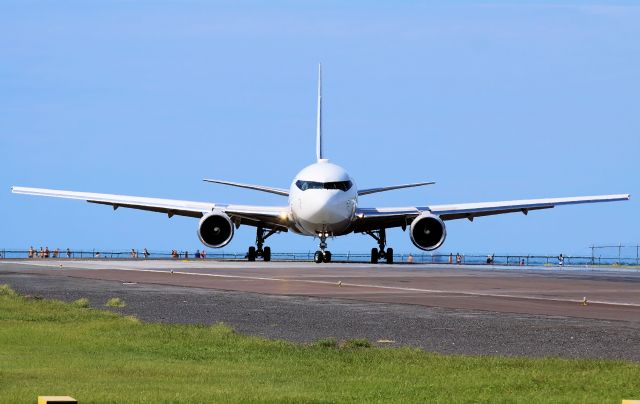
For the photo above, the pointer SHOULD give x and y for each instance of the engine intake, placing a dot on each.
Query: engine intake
(215, 230)
(428, 232)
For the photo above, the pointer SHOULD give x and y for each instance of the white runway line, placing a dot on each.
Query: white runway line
(357, 285)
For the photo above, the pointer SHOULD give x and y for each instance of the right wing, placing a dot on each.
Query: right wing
(273, 216)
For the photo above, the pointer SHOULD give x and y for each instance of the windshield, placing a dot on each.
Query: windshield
(341, 185)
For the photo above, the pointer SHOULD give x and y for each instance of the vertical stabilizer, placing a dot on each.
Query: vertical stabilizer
(319, 148)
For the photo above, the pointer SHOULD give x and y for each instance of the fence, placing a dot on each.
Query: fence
(418, 258)
(624, 253)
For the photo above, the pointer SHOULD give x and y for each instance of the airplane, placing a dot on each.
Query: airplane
(323, 202)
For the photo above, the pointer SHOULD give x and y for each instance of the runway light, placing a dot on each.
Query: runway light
(584, 301)
(339, 284)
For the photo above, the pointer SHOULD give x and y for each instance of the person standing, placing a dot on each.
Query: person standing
(31, 252)
(561, 260)
(458, 258)
(145, 253)
(68, 253)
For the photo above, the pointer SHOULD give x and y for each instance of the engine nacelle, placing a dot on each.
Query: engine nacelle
(215, 230)
(428, 231)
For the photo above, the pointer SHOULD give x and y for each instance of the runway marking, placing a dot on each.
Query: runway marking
(357, 285)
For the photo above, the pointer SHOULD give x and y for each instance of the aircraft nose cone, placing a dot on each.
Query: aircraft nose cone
(324, 207)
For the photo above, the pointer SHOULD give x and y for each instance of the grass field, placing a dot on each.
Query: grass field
(55, 348)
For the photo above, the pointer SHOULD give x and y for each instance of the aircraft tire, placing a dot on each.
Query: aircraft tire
(374, 255)
(318, 257)
(251, 255)
(389, 255)
(327, 257)
(266, 254)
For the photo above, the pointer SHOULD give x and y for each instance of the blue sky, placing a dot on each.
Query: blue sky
(494, 101)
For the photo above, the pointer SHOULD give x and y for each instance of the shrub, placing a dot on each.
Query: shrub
(5, 290)
(82, 302)
(115, 302)
(357, 343)
(326, 343)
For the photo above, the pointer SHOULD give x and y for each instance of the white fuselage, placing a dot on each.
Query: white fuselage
(323, 200)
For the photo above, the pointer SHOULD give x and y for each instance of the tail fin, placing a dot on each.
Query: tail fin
(319, 148)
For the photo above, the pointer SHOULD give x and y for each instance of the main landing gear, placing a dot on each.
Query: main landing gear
(380, 253)
(322, 255)
(261, 235)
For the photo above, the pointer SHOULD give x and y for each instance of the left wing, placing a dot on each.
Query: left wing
(375, 218)
(274, 216)
(392, 187)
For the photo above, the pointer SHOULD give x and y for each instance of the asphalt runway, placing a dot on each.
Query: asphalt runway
(441, 308)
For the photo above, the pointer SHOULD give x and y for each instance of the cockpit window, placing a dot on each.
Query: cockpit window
(341, 185)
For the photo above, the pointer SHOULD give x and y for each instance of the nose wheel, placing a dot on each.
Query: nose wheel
(259, 251)
(381, 253)
(322, 255)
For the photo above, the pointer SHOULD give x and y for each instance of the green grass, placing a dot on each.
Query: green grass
(55, 348)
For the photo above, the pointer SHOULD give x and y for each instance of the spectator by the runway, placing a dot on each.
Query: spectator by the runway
(68, 253)
(145, 253)
(31, 252)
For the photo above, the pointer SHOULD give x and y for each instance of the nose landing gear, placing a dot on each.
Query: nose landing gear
(322, 255)
(380, 253)
(261, 235)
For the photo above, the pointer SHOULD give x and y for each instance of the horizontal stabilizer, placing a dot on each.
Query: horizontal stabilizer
(277, 191)
(392, 187)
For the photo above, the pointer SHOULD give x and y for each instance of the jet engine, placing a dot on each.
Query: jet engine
(215, 229)
(428, 231)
